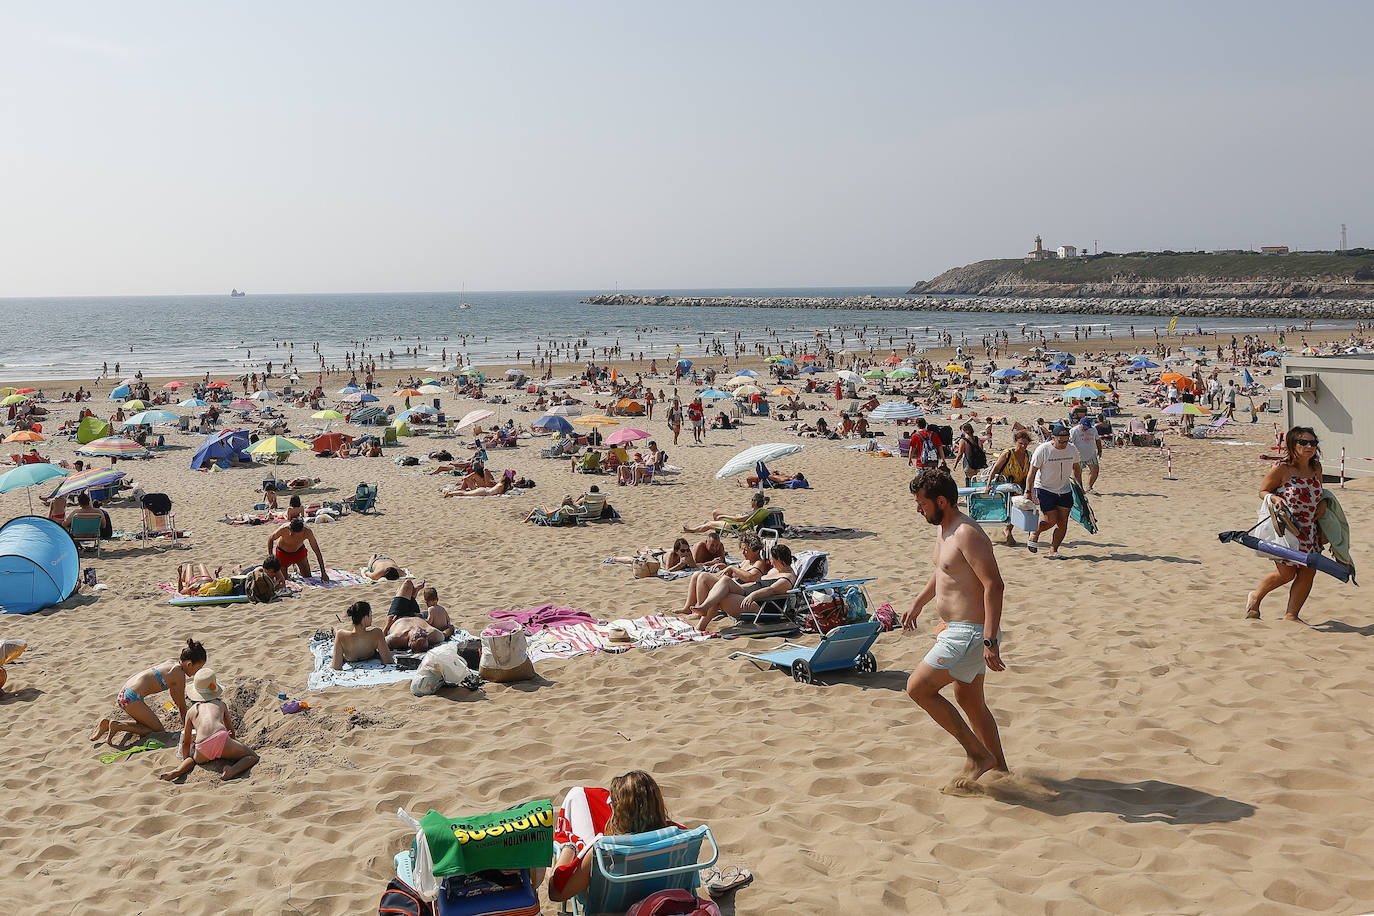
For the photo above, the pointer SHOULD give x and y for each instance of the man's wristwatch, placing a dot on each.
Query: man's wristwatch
(990, 643)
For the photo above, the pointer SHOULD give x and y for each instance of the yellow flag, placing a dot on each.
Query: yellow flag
(1173, 323)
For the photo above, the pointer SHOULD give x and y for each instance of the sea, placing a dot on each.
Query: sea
(80, 339)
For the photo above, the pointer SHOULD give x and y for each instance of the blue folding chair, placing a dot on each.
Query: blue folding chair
(365, 499)
(843, 648)
(626, 869)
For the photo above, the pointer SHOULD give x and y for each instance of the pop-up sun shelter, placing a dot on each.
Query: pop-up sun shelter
(38, 564)
(91, 429)
(230, 444)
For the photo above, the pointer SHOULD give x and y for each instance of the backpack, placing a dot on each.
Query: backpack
(675, 902)
(400, 899)
(977, 458)
(930, 453)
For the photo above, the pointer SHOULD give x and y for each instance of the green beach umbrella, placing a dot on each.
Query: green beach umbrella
(13, 399)
(875, 373)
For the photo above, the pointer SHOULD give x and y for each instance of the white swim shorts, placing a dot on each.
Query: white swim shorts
(958, 649)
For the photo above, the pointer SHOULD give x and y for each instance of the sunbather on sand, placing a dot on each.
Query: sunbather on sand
(710, 551)
(301, 483)
(720, 521)
(361, 640)
(679, 556)
(169, 675)
(382, 567)
(734, 597)
(257, 583)
(753, 567)
(214, 728)
(752, 480)
(405, 628)
(506, 483)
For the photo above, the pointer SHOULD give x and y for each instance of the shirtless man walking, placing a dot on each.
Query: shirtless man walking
(288, 544)
(967, 588)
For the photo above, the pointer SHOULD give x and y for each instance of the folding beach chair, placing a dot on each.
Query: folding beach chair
(85, 532)
(843, 649)
(590, 464)
(365, 499)
(626, 869)
(158, 520)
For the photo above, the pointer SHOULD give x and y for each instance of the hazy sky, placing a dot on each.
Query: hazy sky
(330, 147)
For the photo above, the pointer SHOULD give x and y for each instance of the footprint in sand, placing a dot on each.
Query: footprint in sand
(817, 862)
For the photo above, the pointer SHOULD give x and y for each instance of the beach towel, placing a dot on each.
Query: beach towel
(338, 578)
(369, 673)
(544, 616)
(569, 642)
(815, 531)
(656, 631)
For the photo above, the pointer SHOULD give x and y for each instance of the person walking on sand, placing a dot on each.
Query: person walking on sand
(1294, 487)
(1053, 465)
(967, 588)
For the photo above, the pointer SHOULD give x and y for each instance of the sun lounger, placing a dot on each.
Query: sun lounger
(844, 648)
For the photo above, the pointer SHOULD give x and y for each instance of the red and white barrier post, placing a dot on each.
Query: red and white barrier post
(1169, 464)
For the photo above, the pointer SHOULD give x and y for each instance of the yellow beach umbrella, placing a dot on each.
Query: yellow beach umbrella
(327, 415)
(783, 390)
(1085, 384)
(277, 445)
(594, 420)
(13, 399)
(953, 368)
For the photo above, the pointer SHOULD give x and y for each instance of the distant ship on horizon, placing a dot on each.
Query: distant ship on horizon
(235, 294)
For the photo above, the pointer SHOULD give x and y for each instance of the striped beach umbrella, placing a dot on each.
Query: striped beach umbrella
(112, 447)
(95, 477)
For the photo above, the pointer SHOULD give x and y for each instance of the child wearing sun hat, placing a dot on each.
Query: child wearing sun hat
(208, 717)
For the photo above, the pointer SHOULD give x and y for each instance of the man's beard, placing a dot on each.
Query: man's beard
(937, 517)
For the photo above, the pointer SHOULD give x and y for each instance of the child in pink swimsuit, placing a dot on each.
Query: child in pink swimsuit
(208, 718)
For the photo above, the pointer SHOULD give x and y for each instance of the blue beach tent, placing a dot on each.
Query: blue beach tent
(229, 444)
(38, 564)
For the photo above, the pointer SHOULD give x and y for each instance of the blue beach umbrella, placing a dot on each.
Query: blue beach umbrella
(1008, 373)
(1083, 392)
(684, 364)
(555, 423)
(418, 410)
(750, 372)
(149, 417)
(1144, 364)
(1246, 378)
(714, 394)
(806, 370)
(1057, 367)
(119, 393)
(27, 476)
(1270, 353)
(193, 402)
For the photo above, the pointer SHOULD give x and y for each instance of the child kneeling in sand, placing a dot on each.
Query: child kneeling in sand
(209, 716)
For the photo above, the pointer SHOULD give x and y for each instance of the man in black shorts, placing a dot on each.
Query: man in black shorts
(405, 628)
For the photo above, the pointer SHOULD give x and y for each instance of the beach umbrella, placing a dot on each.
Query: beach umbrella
(893, 360)
(1309, 351)
(902, 372)
(847, 375)
(25, 390)
(713, 394)
(1083, 392)
(871, 373)
(118, 394)
(626, 435)
(566, 410)
(408, 393)
(348, 389)
(1144, 364)
(1189, 409)
(470, 370)
(1008, 373)
(783, 390)
(24, 435)
(95, 477)
(218, 385)
(1100, 386)
(1175, 359)
(13, 399)
(174, 385)
(953, 368)
(806, 358)
(553, 422)
(745, 460)
(809, 370)
(785, 359)
(276, 445)
(1269, 354)
(747, 391)
(293, 377)
(360, 397)
(684, 364)
(112, 447)
(135, 404)
(242, 404)
(420, 410)
(594, 420)
(736, 381)
(751, 373)
(193, 402)
(772, 359)
(513, 372)
(430, 389)
(1056, 367)
(149, 417)
(472, 418)
(1182, 382)
(264, 395)
(895, 410)
(1246, 378)
(6, 390)
(30, 475)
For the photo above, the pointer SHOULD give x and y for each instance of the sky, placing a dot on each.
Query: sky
(159, 148)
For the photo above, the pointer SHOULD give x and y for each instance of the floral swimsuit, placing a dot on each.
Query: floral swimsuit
(1302, 494)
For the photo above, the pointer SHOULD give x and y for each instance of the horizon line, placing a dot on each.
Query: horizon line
(436, 292)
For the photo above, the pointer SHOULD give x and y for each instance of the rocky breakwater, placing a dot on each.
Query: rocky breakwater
(1283, 309)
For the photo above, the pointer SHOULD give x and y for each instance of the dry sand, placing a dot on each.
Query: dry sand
(1168, 755)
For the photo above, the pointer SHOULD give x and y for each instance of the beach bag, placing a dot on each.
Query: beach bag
(674, 902)
(1265, 531)
(646, 568)
(400, 899)
(441, 666)
(505, 654)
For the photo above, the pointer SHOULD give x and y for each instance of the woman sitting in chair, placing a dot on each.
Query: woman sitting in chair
(720, 521)
(736, 598)
(633, 804)
(749, 571)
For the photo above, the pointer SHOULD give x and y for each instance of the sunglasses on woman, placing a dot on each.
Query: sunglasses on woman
(1310, 443)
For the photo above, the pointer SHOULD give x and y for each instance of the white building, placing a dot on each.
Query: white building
(1068, 251)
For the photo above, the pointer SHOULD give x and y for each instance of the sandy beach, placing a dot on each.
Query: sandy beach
(1167, 755)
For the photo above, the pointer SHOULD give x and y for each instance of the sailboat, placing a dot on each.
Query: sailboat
(462, 298)
(235, 294)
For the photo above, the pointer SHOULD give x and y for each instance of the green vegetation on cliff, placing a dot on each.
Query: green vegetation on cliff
(1167, 273)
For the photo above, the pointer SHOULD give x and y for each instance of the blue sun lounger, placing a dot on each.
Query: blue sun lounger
(843, 648)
